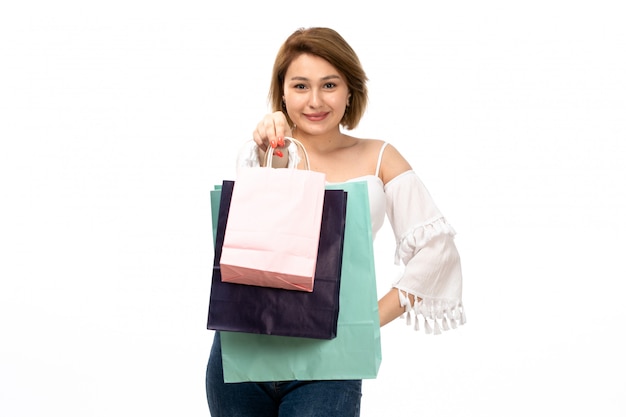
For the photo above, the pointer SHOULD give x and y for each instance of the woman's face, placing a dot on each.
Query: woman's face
(316, 95)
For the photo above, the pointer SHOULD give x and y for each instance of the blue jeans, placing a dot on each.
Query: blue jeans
(278, 399)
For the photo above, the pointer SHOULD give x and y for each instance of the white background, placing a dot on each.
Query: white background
(118, 117)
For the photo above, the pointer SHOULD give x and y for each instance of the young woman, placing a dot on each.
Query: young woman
(318, 87)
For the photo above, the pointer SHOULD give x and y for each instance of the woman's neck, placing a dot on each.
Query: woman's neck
(326, 143)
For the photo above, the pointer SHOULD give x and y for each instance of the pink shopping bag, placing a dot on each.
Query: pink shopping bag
(273, 229)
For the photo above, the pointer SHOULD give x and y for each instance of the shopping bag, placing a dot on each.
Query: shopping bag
(356, 351)
(273, 228)
(265, 310)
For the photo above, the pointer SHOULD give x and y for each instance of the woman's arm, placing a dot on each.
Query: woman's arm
(393, 164)
(389, 307)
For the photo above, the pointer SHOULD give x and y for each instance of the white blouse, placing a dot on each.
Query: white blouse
(424, 244)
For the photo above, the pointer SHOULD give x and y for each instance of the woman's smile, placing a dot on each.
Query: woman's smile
(316, 117)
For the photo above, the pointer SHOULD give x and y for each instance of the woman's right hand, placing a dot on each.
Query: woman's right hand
(271, 131)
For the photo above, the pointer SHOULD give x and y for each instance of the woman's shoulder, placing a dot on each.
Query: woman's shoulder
(391, 162)
(370, 143)
(376, 145)
(372, 147)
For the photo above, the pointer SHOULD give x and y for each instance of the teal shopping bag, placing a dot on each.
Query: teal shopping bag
(216, 193)
(356, 351)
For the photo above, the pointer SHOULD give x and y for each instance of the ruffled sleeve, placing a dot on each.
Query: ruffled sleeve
(248, 155)
(425, 246)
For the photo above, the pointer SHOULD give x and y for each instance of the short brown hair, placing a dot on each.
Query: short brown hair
(329, 45)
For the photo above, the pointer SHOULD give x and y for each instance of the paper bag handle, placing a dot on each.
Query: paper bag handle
(269, 154)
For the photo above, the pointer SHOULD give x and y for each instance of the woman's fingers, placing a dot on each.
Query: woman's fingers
(271, 131)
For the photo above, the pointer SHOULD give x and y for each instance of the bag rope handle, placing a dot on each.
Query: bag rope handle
(270, 153)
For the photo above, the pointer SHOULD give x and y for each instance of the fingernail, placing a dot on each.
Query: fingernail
(281, 142)
(278, 153)
(273, 143)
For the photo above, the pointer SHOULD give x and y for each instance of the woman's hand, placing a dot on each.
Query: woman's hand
(271, 131)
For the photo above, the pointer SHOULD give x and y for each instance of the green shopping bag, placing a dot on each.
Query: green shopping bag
(215, 208)
(356, 351)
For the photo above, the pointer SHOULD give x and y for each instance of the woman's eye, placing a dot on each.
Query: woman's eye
(299, 86)
(329, 85)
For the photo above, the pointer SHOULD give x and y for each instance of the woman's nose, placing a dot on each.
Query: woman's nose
(314, 99)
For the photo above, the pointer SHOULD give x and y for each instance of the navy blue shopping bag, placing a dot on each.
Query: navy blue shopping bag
(275, 311)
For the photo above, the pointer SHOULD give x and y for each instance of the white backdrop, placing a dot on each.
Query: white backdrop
(116, 119)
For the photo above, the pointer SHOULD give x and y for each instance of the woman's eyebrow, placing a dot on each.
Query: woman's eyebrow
(326, 78)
